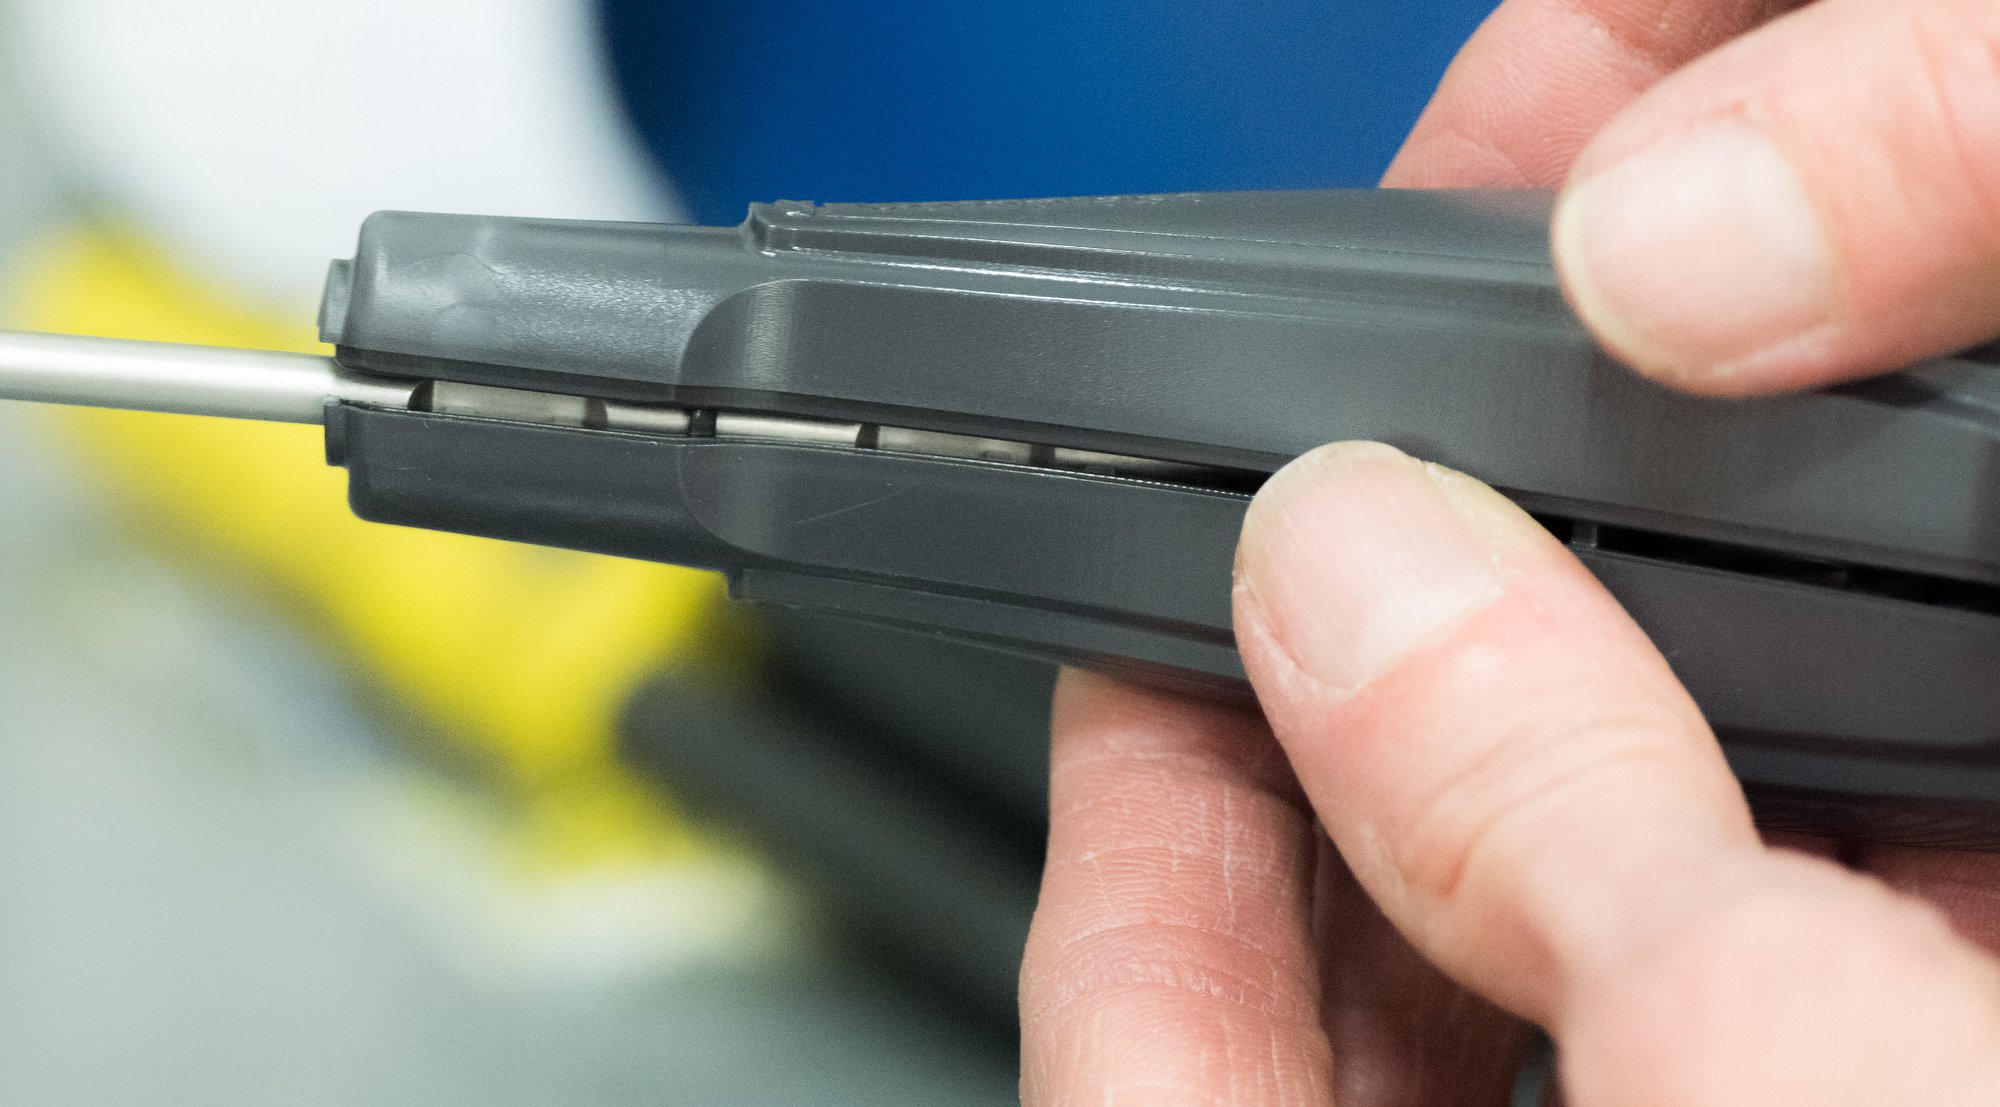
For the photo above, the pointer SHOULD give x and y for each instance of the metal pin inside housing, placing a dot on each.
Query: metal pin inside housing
(905, 440)
(515, 405)
(643, 418)
(481, 401)
(1122, 465)
(785, 428)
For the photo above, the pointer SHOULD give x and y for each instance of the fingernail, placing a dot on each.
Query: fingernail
(1354, 556)
(1695, 253)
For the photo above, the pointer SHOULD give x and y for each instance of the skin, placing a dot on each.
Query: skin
(1476, 798)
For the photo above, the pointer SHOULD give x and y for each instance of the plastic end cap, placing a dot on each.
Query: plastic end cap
(333, 305)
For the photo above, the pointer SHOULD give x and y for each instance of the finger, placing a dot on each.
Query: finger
(1512, 772)
(1540, 77)
(1548, 713)
(1817, 201)
(1826, 849)
(1170, 959)
(1963, 885)
(1403, 1034)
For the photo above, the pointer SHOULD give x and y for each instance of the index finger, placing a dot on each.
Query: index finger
(1540, 77)
(1512, 771)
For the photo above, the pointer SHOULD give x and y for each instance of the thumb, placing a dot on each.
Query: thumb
(1816, 201)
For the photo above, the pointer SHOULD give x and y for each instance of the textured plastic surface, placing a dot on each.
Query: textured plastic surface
(1818, 568)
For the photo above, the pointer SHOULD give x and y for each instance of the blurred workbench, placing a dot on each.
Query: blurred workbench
(191, 911)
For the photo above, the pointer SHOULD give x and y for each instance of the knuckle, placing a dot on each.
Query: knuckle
(1140, 961)
(1219, 836)
(1539, 770)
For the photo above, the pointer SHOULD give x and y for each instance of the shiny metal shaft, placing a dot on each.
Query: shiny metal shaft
(186, 380)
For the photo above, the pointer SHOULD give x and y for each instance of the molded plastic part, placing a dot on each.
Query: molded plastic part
(1821, 569)
(1232, 330)
(1830, 691)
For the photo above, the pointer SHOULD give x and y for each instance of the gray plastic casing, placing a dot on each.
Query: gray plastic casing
(1820, 569)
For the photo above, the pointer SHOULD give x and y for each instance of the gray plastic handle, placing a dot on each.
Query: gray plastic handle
(1823, 570)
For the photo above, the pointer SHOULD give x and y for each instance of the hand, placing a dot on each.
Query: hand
(1506, 765)
(1512, 773)
(1761, 194)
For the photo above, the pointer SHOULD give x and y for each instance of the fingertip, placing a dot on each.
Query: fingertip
(1568, 245)
(1301, 477)
(1698, 259)
(1808, 204)
(1472, 715)
(1351, 556)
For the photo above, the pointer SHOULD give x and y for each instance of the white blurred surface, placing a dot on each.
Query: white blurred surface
(30, 194)
(254, 135)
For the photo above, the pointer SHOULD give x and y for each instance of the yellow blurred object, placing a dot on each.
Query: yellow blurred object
(520, 654)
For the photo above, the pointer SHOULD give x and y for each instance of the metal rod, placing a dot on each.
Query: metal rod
(186, 380)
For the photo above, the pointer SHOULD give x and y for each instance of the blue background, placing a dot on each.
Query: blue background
(912, 100)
